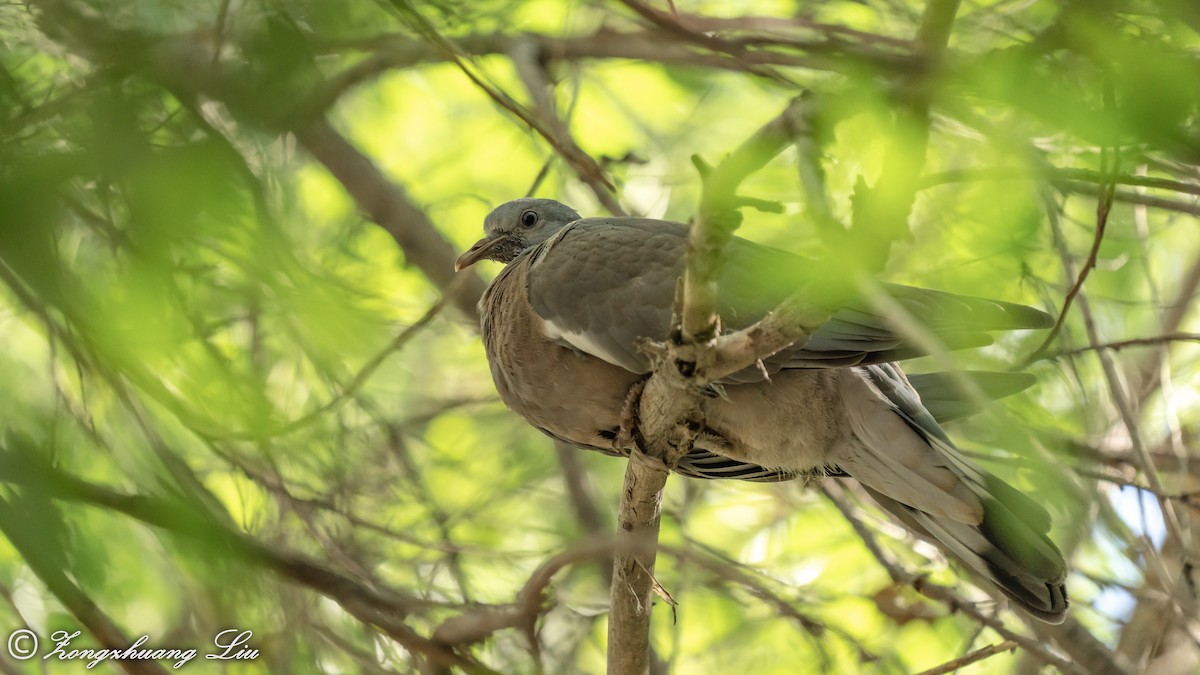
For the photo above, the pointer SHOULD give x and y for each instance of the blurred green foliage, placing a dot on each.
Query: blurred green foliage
(191, 293)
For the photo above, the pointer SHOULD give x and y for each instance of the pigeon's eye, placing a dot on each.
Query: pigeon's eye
(529, 218)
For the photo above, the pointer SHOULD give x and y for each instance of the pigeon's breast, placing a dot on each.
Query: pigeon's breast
(570, 395)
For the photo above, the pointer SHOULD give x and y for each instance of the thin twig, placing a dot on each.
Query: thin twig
(1080, 181)
(974, 657)
(525, 59)
(671, 24)
(1102, 210)
(1056, 174)
(1156, 341)
(584, 165)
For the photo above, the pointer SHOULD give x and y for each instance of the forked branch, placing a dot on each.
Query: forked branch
(696, 355)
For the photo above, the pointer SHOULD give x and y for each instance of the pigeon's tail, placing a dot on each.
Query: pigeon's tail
(1009, 547)
(900, 454)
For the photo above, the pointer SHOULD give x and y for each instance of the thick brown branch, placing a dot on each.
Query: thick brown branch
(638, 523)
(669, 412)
(670, 416)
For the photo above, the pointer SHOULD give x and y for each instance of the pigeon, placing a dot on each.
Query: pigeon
(561, 325)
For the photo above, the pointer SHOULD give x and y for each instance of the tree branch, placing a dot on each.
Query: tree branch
(547, 126)
(1157, 342)
(655, 45)
(718, 217)
(669, 412)
(1102, 211)
(1058, 176)
(525, 58)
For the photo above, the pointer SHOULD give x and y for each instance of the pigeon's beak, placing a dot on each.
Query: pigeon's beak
(479, 251)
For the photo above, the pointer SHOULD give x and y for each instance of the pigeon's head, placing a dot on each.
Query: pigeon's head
(514, 227)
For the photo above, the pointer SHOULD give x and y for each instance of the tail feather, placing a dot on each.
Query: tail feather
(900, 454)
(1005, 548)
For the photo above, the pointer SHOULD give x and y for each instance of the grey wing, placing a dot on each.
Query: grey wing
(603, 283)
(758, 278)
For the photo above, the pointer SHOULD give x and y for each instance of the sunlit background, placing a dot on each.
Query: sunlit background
(233, 396)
